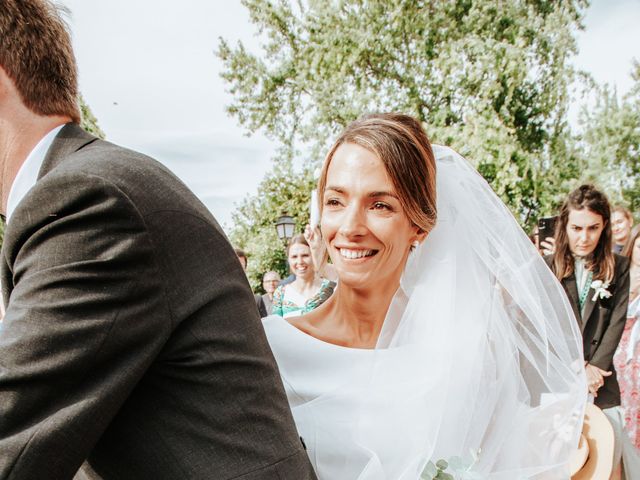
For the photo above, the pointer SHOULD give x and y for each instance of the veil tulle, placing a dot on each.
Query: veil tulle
(480, 358)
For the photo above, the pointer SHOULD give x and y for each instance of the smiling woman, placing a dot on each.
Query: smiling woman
(436, 343)
(308, 290)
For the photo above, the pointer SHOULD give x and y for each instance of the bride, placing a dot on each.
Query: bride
(447, 337)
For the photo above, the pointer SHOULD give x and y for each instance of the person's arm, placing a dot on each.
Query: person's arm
(319, 254)
(277, 302)
(85, 319)
(603, 355)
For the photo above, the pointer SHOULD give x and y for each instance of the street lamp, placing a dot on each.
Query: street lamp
(285, 226)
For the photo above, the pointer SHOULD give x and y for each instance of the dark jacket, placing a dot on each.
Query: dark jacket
(602, 323)
(132, 346)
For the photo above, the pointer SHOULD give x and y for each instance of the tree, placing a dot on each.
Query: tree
(89, 121)
(283, 190)
(488, 78)
(610, 142)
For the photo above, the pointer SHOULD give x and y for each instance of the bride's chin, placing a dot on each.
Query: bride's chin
(352, 279)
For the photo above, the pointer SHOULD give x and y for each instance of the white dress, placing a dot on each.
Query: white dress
(342, 443)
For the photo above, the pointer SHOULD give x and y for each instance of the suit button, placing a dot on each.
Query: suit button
(594, 342)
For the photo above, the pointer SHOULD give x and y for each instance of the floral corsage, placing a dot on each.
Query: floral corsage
(600, 289)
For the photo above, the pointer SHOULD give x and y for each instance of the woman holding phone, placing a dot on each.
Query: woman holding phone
(596, 281)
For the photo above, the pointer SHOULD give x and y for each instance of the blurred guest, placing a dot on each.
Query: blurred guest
(621, 223)
(307, 291)
(627, 357)
(242, 257)
(270, 281)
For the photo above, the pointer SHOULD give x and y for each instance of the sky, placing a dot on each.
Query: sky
(149, 72)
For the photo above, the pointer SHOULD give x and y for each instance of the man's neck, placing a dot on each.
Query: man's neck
(18, 138)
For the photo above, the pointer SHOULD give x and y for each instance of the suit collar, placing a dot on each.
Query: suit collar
(69, 140)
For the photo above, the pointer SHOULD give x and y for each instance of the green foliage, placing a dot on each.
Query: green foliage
(282, 191)
(610, 142)
(488, 78)
(89, 121)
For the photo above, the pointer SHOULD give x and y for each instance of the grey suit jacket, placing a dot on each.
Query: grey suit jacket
(602, 323)
(131, 346)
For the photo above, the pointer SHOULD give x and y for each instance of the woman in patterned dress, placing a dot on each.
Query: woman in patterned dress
(627, 357)
(307, 291)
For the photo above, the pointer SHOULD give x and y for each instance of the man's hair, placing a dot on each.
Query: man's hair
(37, 55)
(270, 272)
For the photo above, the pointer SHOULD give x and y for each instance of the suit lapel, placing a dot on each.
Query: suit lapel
(70, 139)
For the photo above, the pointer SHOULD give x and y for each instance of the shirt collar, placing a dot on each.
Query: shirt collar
(28, 174)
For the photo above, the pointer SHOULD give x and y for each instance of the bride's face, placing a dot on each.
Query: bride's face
(367, 232)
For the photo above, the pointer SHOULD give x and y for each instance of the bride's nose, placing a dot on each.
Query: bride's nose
(353, 222)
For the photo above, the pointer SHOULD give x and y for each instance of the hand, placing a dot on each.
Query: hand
(319, 253)
(314, 239)
(548, 246)
(595, 378)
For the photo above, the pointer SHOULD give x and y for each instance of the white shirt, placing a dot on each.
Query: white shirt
(28, 174)
(581, 273)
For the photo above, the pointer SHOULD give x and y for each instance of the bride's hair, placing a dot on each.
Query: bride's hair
(402, 145)
(601, 262)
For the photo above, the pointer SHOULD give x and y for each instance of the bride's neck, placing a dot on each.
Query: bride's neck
(357, 315)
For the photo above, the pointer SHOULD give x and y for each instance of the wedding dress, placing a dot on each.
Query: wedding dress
(479, 361)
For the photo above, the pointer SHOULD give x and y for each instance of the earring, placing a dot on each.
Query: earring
(415, 244)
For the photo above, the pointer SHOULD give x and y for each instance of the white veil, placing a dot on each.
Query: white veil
(479, 361)
(483, 306)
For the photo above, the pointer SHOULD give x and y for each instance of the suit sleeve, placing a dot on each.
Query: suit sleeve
(603, 356)
(85, 319)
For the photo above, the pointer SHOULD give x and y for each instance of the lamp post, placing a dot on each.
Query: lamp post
(285, 226)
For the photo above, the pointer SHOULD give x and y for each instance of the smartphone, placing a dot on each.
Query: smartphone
(546, 227)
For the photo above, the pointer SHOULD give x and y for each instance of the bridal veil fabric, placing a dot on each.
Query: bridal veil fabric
(479, 362)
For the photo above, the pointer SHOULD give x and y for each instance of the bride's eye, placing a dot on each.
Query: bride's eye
(382, 206)
(332, 202)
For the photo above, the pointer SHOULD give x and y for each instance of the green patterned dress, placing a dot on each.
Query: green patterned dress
(287, 302)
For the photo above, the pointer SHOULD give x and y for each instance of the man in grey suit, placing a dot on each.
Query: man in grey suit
(131, 347)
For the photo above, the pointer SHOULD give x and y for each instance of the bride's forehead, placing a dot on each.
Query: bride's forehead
(353, 164)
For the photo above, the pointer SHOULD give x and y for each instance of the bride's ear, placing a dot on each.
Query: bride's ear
(421, 235)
